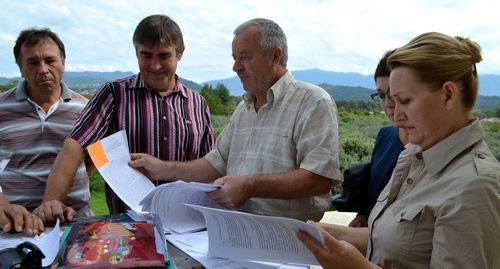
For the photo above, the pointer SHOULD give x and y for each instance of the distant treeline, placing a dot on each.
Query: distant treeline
(221, 103)
(347, 98)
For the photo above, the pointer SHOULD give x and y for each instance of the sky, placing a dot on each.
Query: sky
(331, 35)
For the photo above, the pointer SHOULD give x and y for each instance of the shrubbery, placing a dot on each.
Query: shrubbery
(357, 133)
(96, 183)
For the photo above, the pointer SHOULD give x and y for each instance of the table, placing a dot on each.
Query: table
(181, 259)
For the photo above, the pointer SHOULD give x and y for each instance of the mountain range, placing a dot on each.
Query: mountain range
(489, 84)
(358, 83)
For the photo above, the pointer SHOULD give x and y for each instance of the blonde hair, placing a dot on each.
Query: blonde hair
(437, 58)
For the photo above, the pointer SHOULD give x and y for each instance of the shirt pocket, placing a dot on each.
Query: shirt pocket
(407, 218)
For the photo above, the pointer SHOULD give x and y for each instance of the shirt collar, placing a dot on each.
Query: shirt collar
(439, 155)
(22, 94)
(274, 93)
(139, 83)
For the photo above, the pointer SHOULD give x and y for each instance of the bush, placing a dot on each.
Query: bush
(219, 122)
(357, 133)
(492, 137)
(96, 182)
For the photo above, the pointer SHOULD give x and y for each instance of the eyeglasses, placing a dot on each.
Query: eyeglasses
(380, 96)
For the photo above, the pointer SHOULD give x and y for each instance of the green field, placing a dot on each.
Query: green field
(97, 199)
(357, 133)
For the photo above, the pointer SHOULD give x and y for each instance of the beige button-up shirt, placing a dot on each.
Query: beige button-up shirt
(441, 207)
(297, 128)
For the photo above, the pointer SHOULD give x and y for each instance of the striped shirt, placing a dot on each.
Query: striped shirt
(175, 127)
(297, 128)
(32, 143)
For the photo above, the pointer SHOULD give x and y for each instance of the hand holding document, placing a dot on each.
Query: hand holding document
(169, 202)
(184, 207)
(111, 156)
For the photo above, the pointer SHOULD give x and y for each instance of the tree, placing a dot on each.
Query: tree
(493, 113)
(5, 87)
(223, 93)
(219, 100)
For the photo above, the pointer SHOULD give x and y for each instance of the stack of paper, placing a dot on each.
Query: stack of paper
(233, 239)
(169, 202)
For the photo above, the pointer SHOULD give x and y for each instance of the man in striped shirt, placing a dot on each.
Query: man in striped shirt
(161, 116)
(35, 119)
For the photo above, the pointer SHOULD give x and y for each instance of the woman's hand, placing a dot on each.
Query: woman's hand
(334, 254)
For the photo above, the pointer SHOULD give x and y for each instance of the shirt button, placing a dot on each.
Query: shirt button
(481, 156)
(164, 117)
(409, 181)
(165, 139)
(403, 214)
(420, 156)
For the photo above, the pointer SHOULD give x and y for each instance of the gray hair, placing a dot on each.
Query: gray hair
(271, 36)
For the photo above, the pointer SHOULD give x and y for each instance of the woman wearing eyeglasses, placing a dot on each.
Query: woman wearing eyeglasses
(389, 143)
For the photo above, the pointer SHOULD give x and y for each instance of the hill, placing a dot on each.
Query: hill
(93, 80)
(313, 76)
(98, 78)
(489, 84)
(348, 93)
(342, 86)
(107, 76)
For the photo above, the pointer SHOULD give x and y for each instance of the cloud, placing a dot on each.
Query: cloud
(333, 35)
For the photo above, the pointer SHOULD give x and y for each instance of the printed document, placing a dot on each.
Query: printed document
(196, 246)
(169, 202)
(241, 236)
(111, 156)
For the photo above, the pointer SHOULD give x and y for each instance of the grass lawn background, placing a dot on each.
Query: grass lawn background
(97, 199)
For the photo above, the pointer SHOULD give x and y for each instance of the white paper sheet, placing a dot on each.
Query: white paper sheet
(169, 202)
(3, 163)
(196, 246)
(47, 242)
(242, 236)
(111, 156)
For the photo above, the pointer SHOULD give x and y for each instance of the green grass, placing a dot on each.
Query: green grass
(97, 197)
(357, 132)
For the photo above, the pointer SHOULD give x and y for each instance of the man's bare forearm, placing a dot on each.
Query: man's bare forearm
(199, 170)
(290, 185)
(63, 171)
